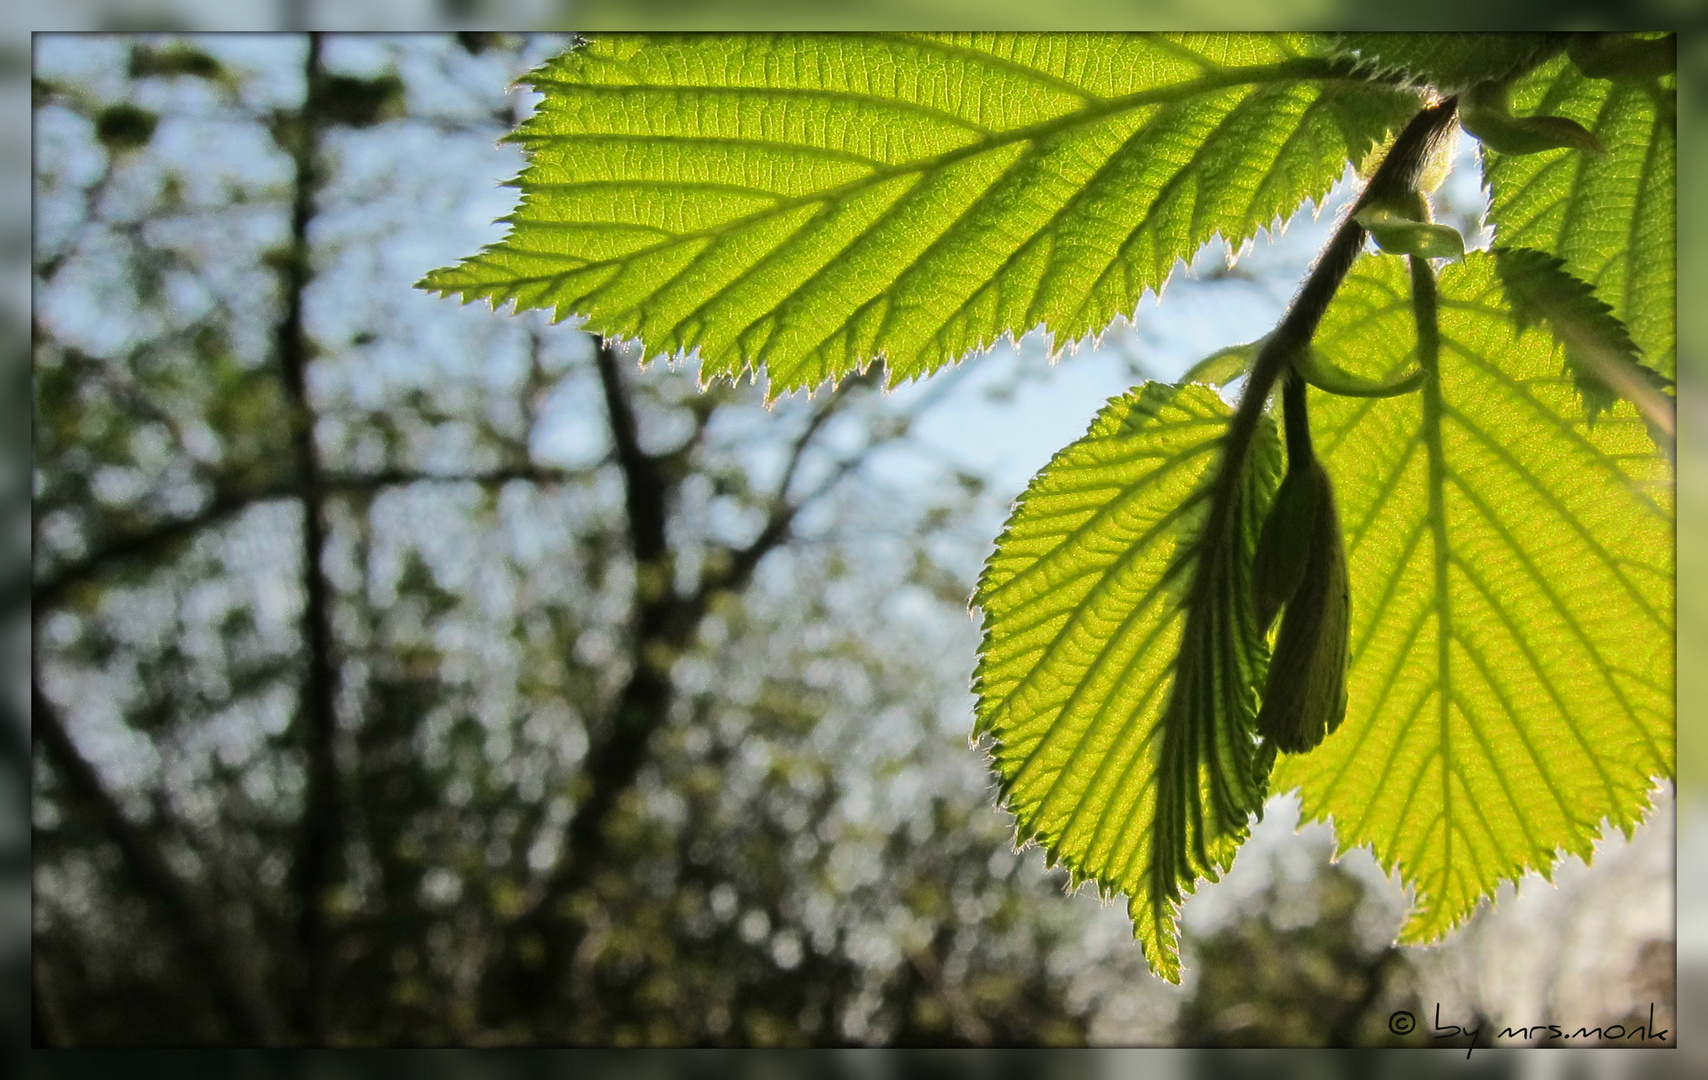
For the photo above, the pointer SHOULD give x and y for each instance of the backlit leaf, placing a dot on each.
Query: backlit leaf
(1611, 218)
(1511, 686)
(810, 203)
(1600, 356)
(1133, 770)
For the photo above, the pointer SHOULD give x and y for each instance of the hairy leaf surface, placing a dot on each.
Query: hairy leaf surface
(810, 203)
(1611, 218)
(1132, 770)
(1451, 62)
(1600, 355)
(1511, 686)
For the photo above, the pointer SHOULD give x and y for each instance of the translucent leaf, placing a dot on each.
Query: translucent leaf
(810, 203)
(1451, 62)
(1600, 356)
(1511, 686)
(1611, 218)
(1133, 770)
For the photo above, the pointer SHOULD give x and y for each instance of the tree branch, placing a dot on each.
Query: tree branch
(238, 994)
(644, 488)
(152, 543)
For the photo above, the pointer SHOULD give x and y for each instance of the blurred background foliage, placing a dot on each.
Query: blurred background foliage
(404, 675)
(446, 679)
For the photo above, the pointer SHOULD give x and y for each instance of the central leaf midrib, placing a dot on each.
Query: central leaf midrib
(1301, 68)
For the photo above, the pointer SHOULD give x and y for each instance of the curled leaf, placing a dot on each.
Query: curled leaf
(1324, 374)
(1224, 365)
(1401, 225)
(1397, 235)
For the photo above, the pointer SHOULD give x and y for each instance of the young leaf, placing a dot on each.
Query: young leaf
(1131, 775)
(1611, 218)
(1511, 684)
(810, 203)
(1600, 357)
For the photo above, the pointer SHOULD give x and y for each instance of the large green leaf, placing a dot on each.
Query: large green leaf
(1134, 771)
(809, 203)
(1511, 686)
(1611, 218)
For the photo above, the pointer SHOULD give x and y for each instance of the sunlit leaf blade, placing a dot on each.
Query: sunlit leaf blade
(1451, 62)
(1132, 770)
(1600, 356)
(1502, 711)
(1612, 218)
(808, 203)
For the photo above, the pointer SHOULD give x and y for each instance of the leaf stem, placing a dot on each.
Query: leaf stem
(1397, 174)
(1297, 419)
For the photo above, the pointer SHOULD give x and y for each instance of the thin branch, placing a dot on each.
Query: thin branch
(154, 542)
(643, 481)
(238, 994)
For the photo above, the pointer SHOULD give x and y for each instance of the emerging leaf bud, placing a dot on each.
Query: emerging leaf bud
(1401, 226)
(1304, 695)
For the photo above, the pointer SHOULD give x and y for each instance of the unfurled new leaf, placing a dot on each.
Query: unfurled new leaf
(810, 203)
(1611, 218)
(1133, 770)
(1511, 680)
(1600, 356)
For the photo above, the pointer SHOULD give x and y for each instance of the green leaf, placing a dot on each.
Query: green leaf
(1402, 236)
(1136, 772)
(1511, 685)
(1611, 218)
(1600, 356)
(1224, 365)
(1451, 62)
(811, 203)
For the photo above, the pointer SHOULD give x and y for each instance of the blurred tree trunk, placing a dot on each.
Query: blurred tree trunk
(317, 856)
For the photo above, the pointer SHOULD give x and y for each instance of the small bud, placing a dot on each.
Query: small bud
(1399, 236)
(1304, 695)
(1401, 226)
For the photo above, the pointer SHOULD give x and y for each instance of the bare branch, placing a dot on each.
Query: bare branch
(643, 481)
(154, 542)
